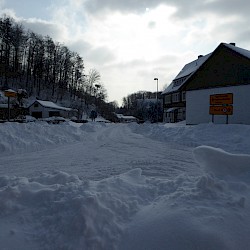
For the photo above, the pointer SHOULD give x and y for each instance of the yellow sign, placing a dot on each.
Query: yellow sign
(220, 99)
(10, 93)
(221, 110)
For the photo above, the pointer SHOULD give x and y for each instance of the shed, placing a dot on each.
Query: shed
(46, 109)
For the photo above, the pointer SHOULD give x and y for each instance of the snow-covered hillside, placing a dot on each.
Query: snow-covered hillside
(124, 186)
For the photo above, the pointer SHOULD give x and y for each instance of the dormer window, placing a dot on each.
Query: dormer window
(179, 81)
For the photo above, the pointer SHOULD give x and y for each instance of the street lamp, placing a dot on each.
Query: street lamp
(97, 86)
(156, 79)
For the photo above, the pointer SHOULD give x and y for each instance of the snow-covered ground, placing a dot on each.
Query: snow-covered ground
(124, 186)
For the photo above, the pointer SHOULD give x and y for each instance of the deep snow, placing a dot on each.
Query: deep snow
(124, 186)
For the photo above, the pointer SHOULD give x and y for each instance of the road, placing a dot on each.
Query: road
(104, 151)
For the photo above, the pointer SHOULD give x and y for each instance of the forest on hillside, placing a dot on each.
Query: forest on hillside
(37, 63)
(46, 69)
(49, 70)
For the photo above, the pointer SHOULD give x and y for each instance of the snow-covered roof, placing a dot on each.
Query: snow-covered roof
(241, 51)
(121, 116)
(185, 73)
(171, 109)
(52, 105)
(190, 68)
(10, 90)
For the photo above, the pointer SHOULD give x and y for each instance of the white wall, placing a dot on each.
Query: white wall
(197, 105)
(36, 109)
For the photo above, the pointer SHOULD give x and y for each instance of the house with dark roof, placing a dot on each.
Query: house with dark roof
(174, 96)
(46, 109)
(224, 71)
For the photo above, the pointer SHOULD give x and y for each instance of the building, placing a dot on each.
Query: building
(174, 96)
(224, 71)
(46, 109)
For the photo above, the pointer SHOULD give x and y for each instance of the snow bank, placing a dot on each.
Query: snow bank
(204, 212)
(230, 137)
(221, 163)
(26, 137)
(59, 211)
(129, 211)
(208, 209)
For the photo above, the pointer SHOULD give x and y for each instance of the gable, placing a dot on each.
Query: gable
(243, 52)
(225, 67)
(35, 104)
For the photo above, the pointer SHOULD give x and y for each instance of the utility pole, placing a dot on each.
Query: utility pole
(156, 79)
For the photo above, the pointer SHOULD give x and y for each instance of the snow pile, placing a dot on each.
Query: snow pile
(59, 211)
(206, 209)
(220, 162)
(25, 137)
(129, 211)
(204, 212)
(231, 137)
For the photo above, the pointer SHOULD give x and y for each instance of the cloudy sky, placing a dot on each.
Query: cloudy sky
(130, 42)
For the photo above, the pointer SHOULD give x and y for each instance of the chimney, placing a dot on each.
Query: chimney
(200, 56)
(232, 44)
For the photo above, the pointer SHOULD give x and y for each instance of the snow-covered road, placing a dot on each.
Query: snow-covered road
(103, 186)
(104, 150)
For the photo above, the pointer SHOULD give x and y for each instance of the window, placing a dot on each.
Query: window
(176, 97)
(168, 99)
(36, 105)
(183, 98)
(179, 81)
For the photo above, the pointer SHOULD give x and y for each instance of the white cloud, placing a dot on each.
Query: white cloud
(131, 42)
(44, 28)
(8, 12)
(125, 43)
(129, 34)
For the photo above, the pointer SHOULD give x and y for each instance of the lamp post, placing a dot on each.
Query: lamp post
(156, 79)
(97, 86)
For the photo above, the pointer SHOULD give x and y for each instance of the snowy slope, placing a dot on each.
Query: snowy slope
(124, 186)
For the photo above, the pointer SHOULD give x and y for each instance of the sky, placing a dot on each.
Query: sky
(134, 41)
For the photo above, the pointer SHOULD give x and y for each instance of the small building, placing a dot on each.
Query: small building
(46, 109)
(224, 73)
